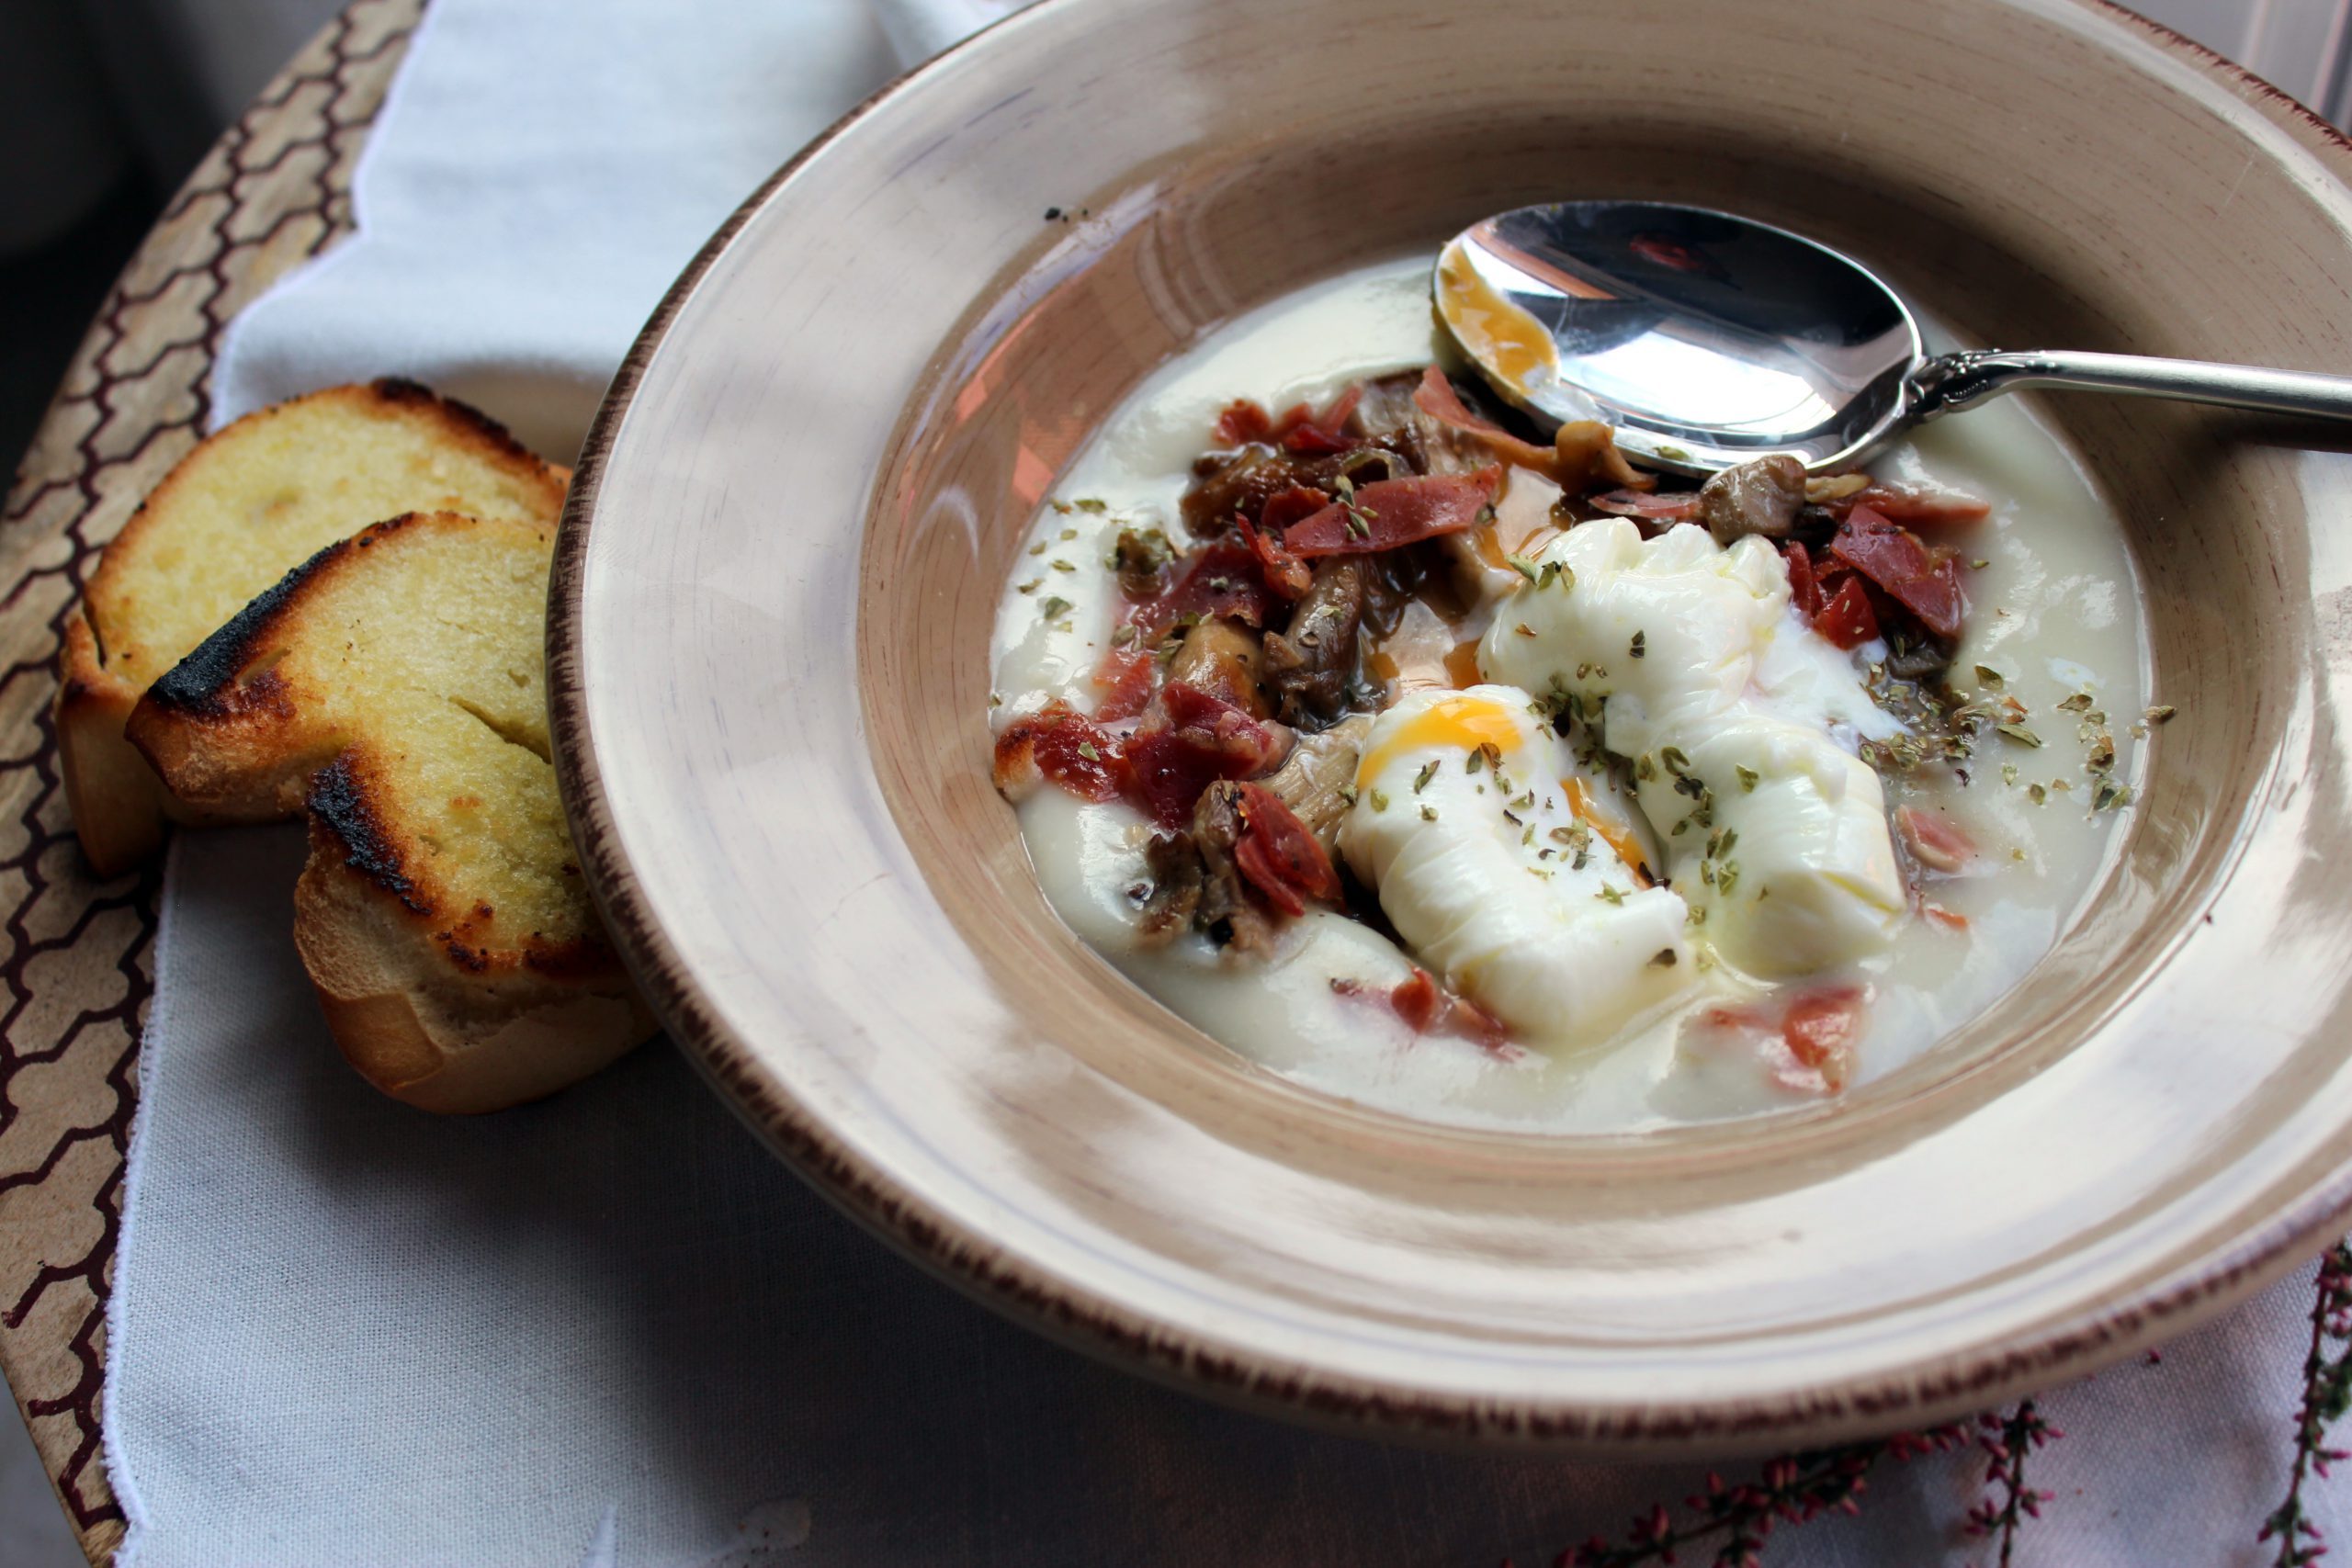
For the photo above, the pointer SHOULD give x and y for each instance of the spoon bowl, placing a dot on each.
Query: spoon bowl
(1706, 339)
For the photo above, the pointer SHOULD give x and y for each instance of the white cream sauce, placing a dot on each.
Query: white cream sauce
(2054, 609)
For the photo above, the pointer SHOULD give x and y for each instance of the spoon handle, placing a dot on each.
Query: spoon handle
(1957, 380)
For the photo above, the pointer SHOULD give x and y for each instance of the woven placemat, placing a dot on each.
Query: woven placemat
(78, 970)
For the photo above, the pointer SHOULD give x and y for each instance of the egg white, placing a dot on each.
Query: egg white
(1484, 869)
(1740, 721)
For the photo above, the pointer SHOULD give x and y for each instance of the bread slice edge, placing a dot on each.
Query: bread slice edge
(120, 806)
(419, 1026)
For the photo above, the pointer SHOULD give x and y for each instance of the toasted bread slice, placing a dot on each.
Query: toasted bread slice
(252, 502)
(396, 681)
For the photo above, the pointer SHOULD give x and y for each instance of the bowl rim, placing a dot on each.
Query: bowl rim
(1956, 1385)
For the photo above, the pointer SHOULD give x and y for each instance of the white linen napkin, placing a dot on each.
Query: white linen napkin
(541, 172)
(609, 1330)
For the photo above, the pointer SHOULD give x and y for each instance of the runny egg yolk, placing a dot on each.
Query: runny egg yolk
(1612, 832)
(1464, 724)
(1504, 337)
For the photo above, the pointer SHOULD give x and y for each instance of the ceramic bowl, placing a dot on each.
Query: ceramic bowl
(769, 642)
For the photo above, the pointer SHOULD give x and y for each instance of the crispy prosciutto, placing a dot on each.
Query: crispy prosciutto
(1060, 746)
(1277, 854)
(1244, 419)
(1436, 398)
(1427, 1007)
(1835, 605)
(1936, 914)
(1301, 430)
(1222, 581)
(1820, 1029)
(1804, 589)
(1847, 618)
(1430, 1009)
(1325, 432)
(1124, 679)
(1919, 503)
(1932, 839)
(1284, 572)
(1807, 1046)
(1187, 741)
(1924, 581)
(1391, 513)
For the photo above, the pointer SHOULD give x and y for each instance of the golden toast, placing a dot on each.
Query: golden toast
(395, 683)
(248, 504)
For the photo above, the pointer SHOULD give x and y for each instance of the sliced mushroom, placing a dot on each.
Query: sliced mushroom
(1233, 484)
(1222, 657)
(1309, 665)
(1142, 556)
(1174, 898)
(1825, 488)
(1924, 660)
(1239, 483)
(1586, 459)
(1759, 497)
(1320, 768)
(1226, 909)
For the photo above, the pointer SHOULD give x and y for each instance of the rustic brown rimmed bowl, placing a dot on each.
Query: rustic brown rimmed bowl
(769, 633)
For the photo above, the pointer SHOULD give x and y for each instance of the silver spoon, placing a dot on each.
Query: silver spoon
(1707, 339)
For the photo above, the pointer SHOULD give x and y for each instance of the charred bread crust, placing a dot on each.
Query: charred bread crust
(198, 683)
(348, 822)
(441, 1038)
(216, 741)
(340, 804)
(118, 801)
(345, 811)
(204, 685)
(469, 419)
(120, 805)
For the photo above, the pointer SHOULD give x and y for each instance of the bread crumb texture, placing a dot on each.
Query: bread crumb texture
(397, 682)
(276, 486)
(417, 654)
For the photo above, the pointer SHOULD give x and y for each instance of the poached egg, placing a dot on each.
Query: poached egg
(1683, 657)
(1500, 866)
